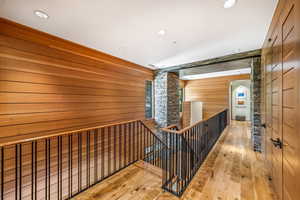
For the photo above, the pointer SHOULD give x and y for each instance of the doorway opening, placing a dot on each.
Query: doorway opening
(240, 100)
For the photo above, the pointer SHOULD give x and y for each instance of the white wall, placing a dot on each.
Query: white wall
(244, 110)
(196, 111)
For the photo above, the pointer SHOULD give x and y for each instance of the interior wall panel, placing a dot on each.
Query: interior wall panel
(213, 92)
(49, 84)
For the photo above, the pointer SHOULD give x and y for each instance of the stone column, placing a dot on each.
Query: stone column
(166, 86)
(255, 104)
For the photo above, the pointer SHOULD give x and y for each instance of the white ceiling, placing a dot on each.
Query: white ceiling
(128, 29)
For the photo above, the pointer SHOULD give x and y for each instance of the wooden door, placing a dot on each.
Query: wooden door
(290, 106)
(281, 54)
(267, 110)
(276, 111)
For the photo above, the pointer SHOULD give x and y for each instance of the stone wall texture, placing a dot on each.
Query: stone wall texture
(255, 104)
(166, 87)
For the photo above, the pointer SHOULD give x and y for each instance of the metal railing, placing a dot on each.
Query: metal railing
(187, 150)
(63, 165)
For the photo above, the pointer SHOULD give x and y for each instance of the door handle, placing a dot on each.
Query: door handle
(277, 143)
(264, 125)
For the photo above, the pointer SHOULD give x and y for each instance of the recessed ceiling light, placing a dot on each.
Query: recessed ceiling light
(161, 32)
(41, 14)
(229, 3)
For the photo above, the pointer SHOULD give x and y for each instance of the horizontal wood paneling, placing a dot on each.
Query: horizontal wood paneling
(50, 84)
(85, 158)
(213, 92)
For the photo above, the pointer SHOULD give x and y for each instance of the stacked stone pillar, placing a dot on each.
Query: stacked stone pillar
(255, 104)
(166, 90)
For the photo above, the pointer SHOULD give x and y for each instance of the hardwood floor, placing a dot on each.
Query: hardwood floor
(232, 171)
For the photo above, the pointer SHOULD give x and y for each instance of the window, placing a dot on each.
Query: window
(149, 100)
(181, 99)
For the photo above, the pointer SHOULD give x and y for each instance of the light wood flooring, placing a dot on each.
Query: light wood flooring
(232, 171)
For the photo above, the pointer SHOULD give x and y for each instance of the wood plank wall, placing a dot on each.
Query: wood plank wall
(48, 84)
(71, 162)
(213, 92)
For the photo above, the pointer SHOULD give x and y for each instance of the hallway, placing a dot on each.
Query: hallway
(232, 171)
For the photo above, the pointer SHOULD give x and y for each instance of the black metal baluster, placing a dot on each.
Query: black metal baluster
(2, 173)
(102, 153)
(20, 171)
(69, 166)
(109, 149)
(186, 160)
(120, 145)
(153, 149)
(199, 141)
(142, 141)
(115, 148)
(35, 169)
(49, 168)
(95, 155)
(46, 169)
(48, 164)
(134, 142)
(181, 161)
(173, 160)
(171, 156)
(147, 140)
(88, 161)
(194, 149)
(129, 143)
(125, 144)
(197, 145)
(32, 170)
(160, 155)
(139, 143)
(16, 171)
(79, 161)
(58, 167)
(190, 154)
(138, 140)
(176, 164)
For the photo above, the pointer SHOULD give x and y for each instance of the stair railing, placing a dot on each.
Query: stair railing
(188, 149)
(61, 165)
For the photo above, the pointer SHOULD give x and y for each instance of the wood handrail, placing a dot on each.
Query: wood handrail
(166, 129)
(171, 126)
(18, 141)
(153, 133)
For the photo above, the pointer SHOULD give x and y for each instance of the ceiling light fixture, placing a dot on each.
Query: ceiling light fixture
(229, 3)
(161, 32)
(41, 14)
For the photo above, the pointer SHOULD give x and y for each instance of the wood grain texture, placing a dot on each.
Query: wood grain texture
(231, 171)
(78, 159)
(49, 84)
(281, 53)
(213, 92)
(186, 114)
